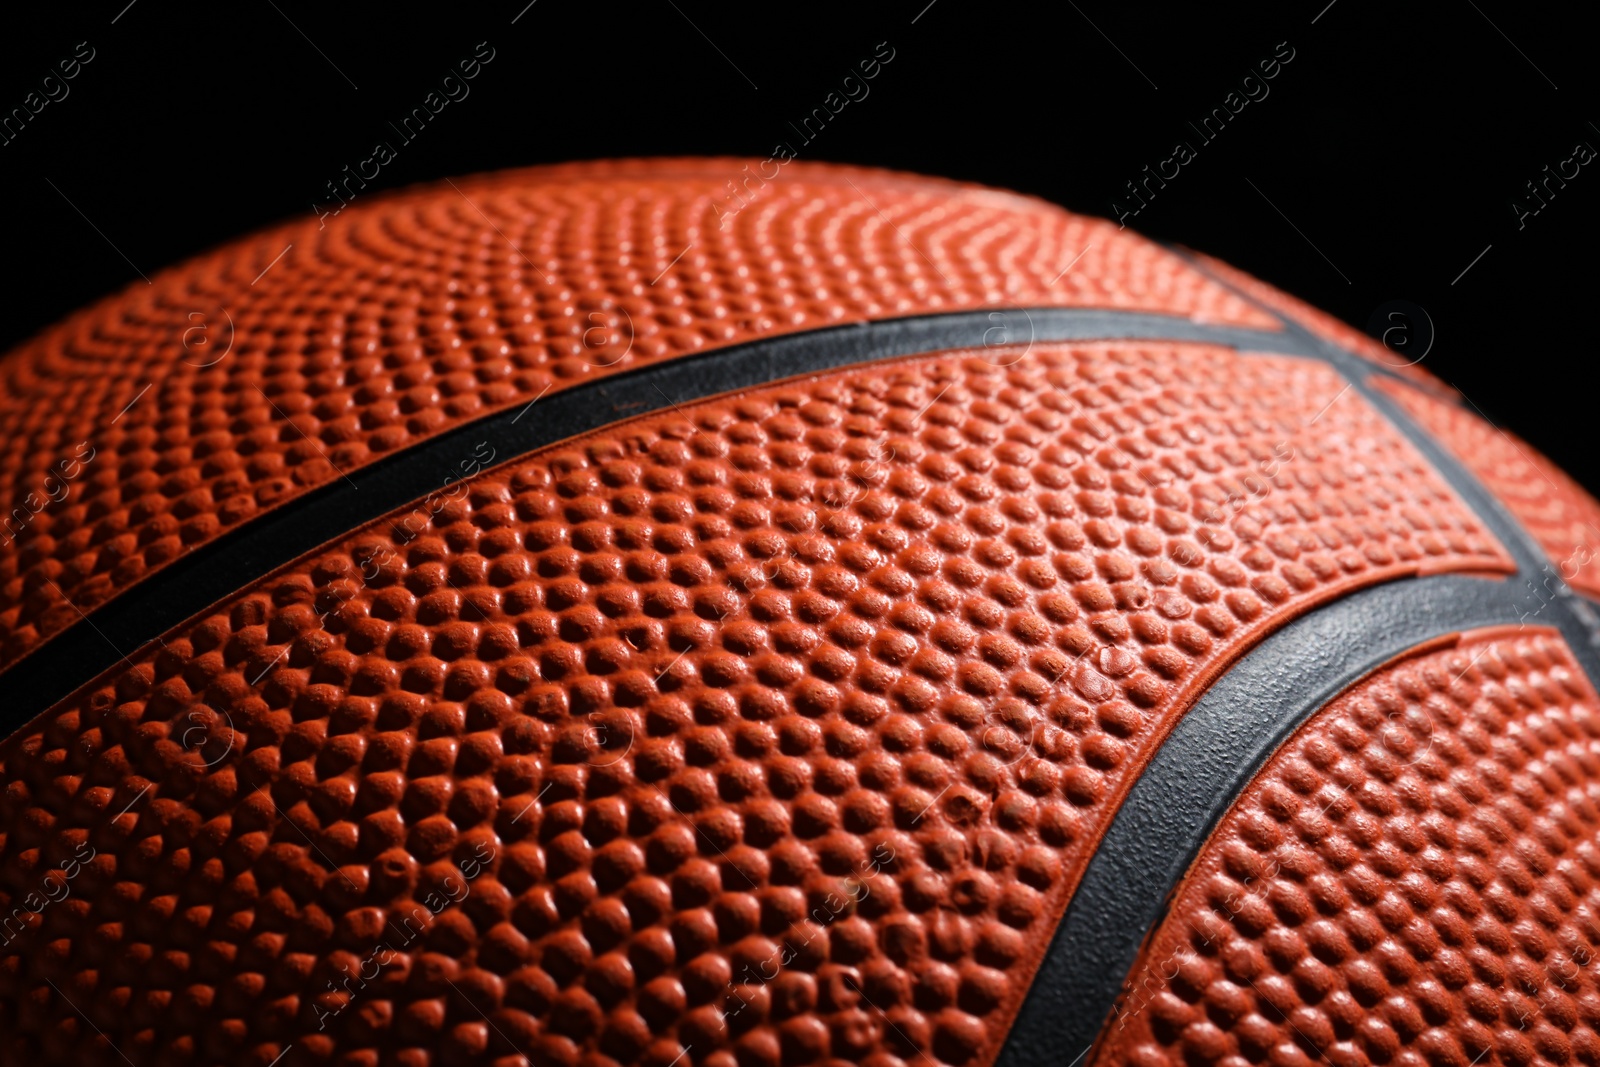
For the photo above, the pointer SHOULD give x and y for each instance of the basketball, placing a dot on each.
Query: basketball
(754, 613)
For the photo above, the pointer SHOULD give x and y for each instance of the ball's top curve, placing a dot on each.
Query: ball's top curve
(166, 414)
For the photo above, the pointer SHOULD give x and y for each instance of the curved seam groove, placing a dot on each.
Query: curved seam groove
(1575, 617)
(1212, 753)
(1225, 738)
(211, 572)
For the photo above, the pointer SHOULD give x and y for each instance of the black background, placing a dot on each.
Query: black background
(1385, 159)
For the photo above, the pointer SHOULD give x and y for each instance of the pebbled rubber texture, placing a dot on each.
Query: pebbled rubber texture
(1414, 878)
(1323, 325)
(777, 726)
(1556, 510)
(211, 571)
(1211, 755)
(170, 413)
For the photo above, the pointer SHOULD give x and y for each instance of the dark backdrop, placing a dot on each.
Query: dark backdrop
(1382, 165)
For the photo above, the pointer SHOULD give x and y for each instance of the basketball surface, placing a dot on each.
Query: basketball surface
(722, 613)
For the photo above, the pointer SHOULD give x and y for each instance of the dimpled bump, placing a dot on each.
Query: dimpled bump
(1557, 511)
(1413, 879)
(780, 725)
(240, 380)
(1324, 325)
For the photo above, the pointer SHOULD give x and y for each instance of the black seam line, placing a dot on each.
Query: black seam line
(211, 572)
(1212, 753)
(1549, 598)
(1148, 847)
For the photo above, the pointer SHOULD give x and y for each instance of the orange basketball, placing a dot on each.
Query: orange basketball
(750, 614)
